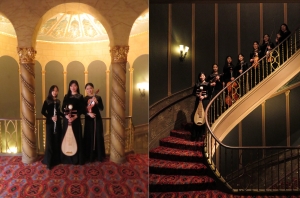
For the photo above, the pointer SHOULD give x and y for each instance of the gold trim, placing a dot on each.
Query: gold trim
(193, 43)
(263, 123)
(216, 34)
(26, 55)
(287, 118)
(239, 27)
(285, 18)
(169, 49)
(261, 20)
(119, 54)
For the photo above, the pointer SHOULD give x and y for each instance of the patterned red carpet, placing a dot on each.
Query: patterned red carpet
(105, 179)
(177, 169)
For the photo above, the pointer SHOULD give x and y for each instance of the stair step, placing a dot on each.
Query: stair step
(178, 143)
(165, 167)
(202, 193)
(177, 183)
(173, 154)
(183, 134)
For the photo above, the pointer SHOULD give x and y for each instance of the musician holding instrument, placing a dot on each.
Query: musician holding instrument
(94, 149)
(240, 68)
(51, 110)
(215, 81)
(73, 107)
(284, 48)
(256, 73)
(200, 91)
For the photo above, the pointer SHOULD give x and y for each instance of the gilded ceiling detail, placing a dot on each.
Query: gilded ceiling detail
(74, 27)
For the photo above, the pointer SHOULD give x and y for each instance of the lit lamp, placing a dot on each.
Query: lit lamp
(142, 88)
(183, 52)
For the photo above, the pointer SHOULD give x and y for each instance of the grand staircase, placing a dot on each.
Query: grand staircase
(182, 168)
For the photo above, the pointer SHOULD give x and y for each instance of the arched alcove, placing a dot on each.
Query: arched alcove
(97, 76)
(54, 76)
(75, 71)
(140, 75)
(9, 88)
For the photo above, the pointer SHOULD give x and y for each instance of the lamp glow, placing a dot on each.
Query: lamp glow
(183, 52)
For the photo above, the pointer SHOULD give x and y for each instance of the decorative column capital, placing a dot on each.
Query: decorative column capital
(26, 54)
(130, 69)
(119, 54)
(65, 73)
(43, 72)
(107, 71)
(86, 72)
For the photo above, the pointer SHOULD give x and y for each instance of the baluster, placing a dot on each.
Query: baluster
(292, 169)
(257, 157)
(278, 170)
(284, 169)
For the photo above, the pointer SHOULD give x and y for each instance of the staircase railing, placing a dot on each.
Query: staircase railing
(253, 168)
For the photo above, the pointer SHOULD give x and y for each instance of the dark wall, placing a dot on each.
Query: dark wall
(272, 17)
(181, 72)
(158, 50)
(294, 116)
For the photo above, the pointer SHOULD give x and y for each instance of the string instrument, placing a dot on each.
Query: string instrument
(91, 103)
(199, 117)
(214, 79)
(269, 55)
(255, 60)
(232, 94)
(54, 114)
(69, 145)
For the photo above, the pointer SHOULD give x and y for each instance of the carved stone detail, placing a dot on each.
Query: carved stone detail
(27, 77)
(26, 55)
(119, 54)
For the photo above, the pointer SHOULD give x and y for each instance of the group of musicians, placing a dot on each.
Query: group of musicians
(207, 87)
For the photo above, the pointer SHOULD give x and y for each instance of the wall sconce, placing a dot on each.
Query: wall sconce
(142, 88)
(183, 52)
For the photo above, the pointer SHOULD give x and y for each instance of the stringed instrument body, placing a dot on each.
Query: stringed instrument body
(232, 94)
(199, 116)
(69, 145)
(91, 103)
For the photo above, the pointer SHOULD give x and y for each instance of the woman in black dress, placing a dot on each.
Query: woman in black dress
(216, 85)
(74, 98)
(240, 68)
(93, 127)
(200, 91)
(51, 110)
(284, 48)
(256, 73)
(228, 70)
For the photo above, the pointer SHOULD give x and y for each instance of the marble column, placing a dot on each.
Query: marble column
(27, 77)
(118, 136)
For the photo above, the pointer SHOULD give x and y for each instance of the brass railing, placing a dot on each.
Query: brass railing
(10, 135)
(260, 169)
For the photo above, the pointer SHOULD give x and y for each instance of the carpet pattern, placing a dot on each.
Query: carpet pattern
(98, 179)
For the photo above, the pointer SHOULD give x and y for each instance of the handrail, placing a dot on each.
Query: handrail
(234, 165)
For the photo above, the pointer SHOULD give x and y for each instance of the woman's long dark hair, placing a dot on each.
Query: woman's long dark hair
(89, 84)
(198, 80)
(226, 63)
(238, 60)
(73, 82)
(50, 97)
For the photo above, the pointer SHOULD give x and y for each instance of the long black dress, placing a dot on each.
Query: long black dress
(53, 139)
(78, 104)
(198, 131)
(93, 136)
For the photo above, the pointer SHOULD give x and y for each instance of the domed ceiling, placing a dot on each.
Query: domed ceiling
(74, 27)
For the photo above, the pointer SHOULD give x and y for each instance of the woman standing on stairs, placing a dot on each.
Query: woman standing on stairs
(200, 91)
